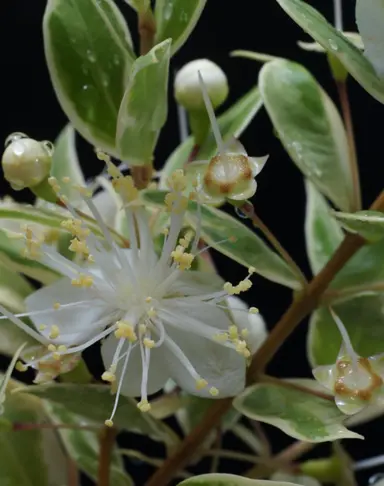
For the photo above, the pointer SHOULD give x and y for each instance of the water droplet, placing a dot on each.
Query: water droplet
(49, 147)
(104, 80)
(84, 69)
(168, 10)
(333, 45)
(13, 137)
(85, 87)
(240, 213)
(91, 56)
(116, 59)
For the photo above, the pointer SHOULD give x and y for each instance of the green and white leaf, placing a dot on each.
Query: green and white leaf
(89, 54)
(334, 41)
(218, 479)
(143, 110)
(368, 224)
(232, 123)
(248, 249)
(310, 128)
(11, 258)
(95, 403)
(361, 274)
(65, 163)
(176, 19)
(363, 318)
(353, 37)
(370, 21)
(255, 56)
(84, 446)
(298, 414)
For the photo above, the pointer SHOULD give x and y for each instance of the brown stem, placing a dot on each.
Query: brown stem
(306, 302)
(107, 441)
(147, 31)
(142, 175)
(249, 211)
(347, 115)
(294, 386)
(73, 473)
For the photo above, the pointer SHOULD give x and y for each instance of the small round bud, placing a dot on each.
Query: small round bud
(26, 162)
(188, 89)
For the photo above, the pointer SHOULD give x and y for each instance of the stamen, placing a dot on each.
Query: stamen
(346, 339)
(143, 405)
(19, 323)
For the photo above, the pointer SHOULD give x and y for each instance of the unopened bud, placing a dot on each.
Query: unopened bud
(26, 162)
(187, 86)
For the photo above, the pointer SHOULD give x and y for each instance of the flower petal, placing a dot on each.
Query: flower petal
(222, 367)
(197, 283)
(76, 323)
(326, 376)
(158, 373)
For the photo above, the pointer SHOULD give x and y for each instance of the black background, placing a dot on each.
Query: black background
(28, 104)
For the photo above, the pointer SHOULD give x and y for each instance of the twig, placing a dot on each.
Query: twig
(305, 302)
(354, 166)
(249, 211)
(107, 441)
(73, 473)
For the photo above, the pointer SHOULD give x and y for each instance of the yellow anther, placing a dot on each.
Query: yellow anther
(79, 247)
(42, 327)
(233, 332)
(51, 236)
(148, 300)
(52, 348)
(113, 171)
(144, 406)
(166, 231)
(244, 285)
(177, 181)
(142, 329)
(108, 376)
(183, 259)
(151, 313)
(62, 348)
(245, 333)
(83, 190)
(149, 343)
(175, 203)
(83, 280)
(66, 180)
(125, 330)
(251, 270)
(53, 182)
(55, 332)
(102, 155)
(91, 259)
(222, 337)
(201, 384)
(185, 242)
(56, 356)
(74, 227)
(21, 366)
(56, 305)
(228, 287)
(253, 310)
(213, 391)
(108, 423)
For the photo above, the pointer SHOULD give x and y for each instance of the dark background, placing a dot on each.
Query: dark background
(28, 104)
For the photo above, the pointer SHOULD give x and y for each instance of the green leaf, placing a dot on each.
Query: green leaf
(176, 19)
(310, 128)
(368, 224)
(248, 249)
(322, 233)
(229, 480)
(363, 318)
(255, 56)
(89, 55)
(299, 414)
(65, 163)
(83, 446)
(232, 123)
(362, 273)
(370, 21)
(95, 403)
(334, 41)
(22, 456)
(143, 110)
(12, 259)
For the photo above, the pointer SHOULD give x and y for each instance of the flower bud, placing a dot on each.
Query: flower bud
(26, 162)
(187, 86)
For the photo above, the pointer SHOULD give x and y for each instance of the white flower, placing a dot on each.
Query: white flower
(156, 318)
(187, 86)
